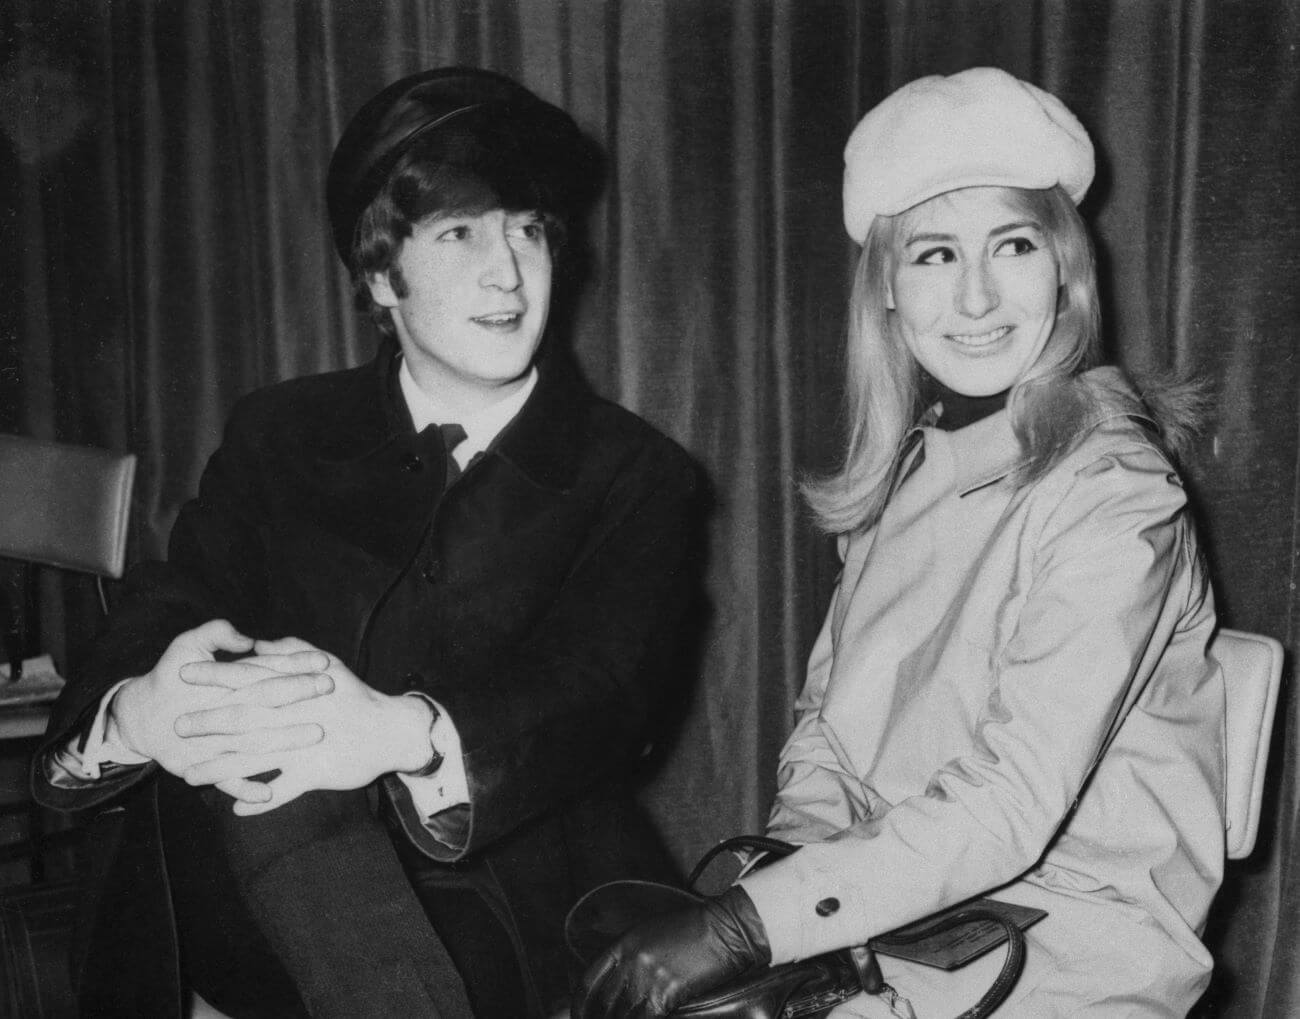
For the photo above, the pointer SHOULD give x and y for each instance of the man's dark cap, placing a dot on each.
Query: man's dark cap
(561, 166)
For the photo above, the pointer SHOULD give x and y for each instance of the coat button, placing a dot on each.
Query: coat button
(429, 571)
(411, 681)
(828, 906)
(412, 463)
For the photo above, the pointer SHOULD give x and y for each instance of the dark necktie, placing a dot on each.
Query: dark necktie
(452, 436)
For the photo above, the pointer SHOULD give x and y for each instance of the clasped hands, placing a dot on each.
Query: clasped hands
(286, 707)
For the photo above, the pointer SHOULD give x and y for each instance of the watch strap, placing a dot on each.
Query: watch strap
(435, 760)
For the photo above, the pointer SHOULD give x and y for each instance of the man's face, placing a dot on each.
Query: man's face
(477, 294)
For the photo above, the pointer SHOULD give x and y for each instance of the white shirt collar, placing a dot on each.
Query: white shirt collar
(480, 428)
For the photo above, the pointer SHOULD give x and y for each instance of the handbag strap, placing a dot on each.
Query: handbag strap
(864, 963)
(761, 843)
(1011, 965)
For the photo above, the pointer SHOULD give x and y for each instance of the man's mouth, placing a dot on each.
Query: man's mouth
(505, 318)
(980, 339)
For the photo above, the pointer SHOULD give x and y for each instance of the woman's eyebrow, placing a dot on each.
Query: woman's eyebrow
(929, 238)
(1020, 224)
(997, 231)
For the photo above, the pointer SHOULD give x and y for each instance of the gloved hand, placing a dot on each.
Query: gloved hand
(673, 959)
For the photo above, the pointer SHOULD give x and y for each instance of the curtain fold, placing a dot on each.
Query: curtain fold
(164, 222)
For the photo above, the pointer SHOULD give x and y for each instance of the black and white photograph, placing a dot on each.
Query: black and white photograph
(630, 509)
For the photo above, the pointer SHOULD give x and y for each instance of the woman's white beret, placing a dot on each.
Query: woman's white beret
(979, 127)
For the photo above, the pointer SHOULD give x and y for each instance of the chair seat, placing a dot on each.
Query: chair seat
(23, 723)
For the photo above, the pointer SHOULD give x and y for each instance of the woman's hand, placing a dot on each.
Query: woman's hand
(673, 959)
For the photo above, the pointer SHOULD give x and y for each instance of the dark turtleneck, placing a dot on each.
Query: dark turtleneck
(958, 410)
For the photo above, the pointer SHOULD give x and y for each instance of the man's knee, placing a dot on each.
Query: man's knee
(203, 821)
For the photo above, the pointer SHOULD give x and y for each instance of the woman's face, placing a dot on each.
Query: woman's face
(973, 289)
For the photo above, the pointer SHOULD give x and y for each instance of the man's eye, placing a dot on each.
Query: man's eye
(533, 231)
(935, 256)
(455, 233)
(1013, 246)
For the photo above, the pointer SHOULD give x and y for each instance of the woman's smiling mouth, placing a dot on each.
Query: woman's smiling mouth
(980, 339)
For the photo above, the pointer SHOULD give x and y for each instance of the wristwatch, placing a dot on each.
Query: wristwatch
(435, 761)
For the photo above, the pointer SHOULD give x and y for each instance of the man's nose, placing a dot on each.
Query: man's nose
(501, 266)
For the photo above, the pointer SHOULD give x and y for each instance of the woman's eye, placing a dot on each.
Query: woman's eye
(455, 233)
(935, 256)
(1015, 246)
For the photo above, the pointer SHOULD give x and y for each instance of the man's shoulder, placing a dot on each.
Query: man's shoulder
(623, 435)
(566, 431)
(615, 423)
(340, 408)
(310, 395)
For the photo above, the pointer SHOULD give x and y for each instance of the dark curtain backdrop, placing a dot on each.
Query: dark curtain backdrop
(165, 245)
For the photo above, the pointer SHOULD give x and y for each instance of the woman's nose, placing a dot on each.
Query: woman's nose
(979, 291)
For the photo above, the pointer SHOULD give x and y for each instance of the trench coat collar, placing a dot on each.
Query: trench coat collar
(983, 452)
(987, 451)
(543, 442)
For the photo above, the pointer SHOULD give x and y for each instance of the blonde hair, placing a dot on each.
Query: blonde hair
(1049, 405)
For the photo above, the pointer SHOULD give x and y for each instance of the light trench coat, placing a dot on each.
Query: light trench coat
(1011, 695)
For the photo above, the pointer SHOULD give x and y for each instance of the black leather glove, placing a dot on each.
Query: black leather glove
(673, 959)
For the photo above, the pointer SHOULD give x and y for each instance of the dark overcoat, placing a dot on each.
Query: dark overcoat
(554, 573)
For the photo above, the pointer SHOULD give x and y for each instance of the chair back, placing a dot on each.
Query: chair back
(64, 505)
(1252, 675)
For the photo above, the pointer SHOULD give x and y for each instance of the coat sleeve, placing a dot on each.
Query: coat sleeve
(569, 708)
(816, 796)
(214, 571)
(1096, 620)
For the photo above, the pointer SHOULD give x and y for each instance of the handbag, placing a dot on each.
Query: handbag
(807, 988)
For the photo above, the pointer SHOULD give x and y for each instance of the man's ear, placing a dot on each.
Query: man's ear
(381, 289)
